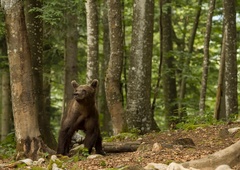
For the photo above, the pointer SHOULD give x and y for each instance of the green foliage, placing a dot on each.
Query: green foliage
(194, 121)
(121, 137)
(8, 146)
(103, 163)
(83, 152)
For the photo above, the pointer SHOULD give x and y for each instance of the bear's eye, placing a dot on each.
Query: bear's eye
(84, 92)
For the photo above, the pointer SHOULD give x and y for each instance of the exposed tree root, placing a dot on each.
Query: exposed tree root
(229, 156)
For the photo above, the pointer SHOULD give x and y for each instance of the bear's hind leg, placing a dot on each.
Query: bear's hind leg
(90, 140)
(98, 145)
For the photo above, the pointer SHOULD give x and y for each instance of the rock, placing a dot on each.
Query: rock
(133, 167)
(55, 163)
(233, 130)
(94, 156)
(55, 167)
(39, 161)
(27, 161)
(223, 167)
(156, 147)
(77, 138)
(175, 166)
(154, 166)
(76, 149)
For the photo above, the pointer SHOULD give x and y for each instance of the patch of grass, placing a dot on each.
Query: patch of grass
(192, 122)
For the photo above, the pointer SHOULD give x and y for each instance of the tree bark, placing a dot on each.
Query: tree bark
(139, 115)
(92, 40)
(220, 109)
(70, 54)
(169, 80)
(116, 147)
(206, 58)
(231, 93)
(113, 75)
(35, 36)
(6, 105)
(229, 156)
(21, 75)
(103, 108)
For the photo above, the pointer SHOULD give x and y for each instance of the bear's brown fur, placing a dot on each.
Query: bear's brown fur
(82, 114)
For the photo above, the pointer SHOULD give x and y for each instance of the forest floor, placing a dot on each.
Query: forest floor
(207, 141)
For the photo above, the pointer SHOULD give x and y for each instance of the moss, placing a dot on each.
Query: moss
(121, 137)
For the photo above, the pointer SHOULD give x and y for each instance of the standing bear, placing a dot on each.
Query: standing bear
(82, 115)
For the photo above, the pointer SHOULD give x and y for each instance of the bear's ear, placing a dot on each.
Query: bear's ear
(74, 84)
(94, 83)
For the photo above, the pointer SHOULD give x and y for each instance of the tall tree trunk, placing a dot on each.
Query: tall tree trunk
(169, 80)
(92, 40)
(6, 117)
(22, 87)
(139, 113)
(230, 57)
(6, 105)
(113, 75)
(107, 124)
(220, 109)
(206, 58)
(71, 52)
(35, 36)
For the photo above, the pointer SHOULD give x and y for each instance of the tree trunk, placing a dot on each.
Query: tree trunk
(231, 93)
(139, 115)
(6, 117)
(229, 156)
(6, 105)
(206, 58)
(103, 108)
(92, 40)
(169, 80)
(220, 109)
(23, 99)
(113, 75)
(35, 36)
(71, 53)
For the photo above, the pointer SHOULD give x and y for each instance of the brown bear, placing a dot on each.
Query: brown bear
(82, 115)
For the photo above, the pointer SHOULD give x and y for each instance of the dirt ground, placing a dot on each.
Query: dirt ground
(207, 141)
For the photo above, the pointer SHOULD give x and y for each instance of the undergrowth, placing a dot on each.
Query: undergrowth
(8, 146)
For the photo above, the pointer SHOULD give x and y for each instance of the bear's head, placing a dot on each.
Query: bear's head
(84, 92)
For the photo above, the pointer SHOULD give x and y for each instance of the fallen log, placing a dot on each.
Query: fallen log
(115, 147)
